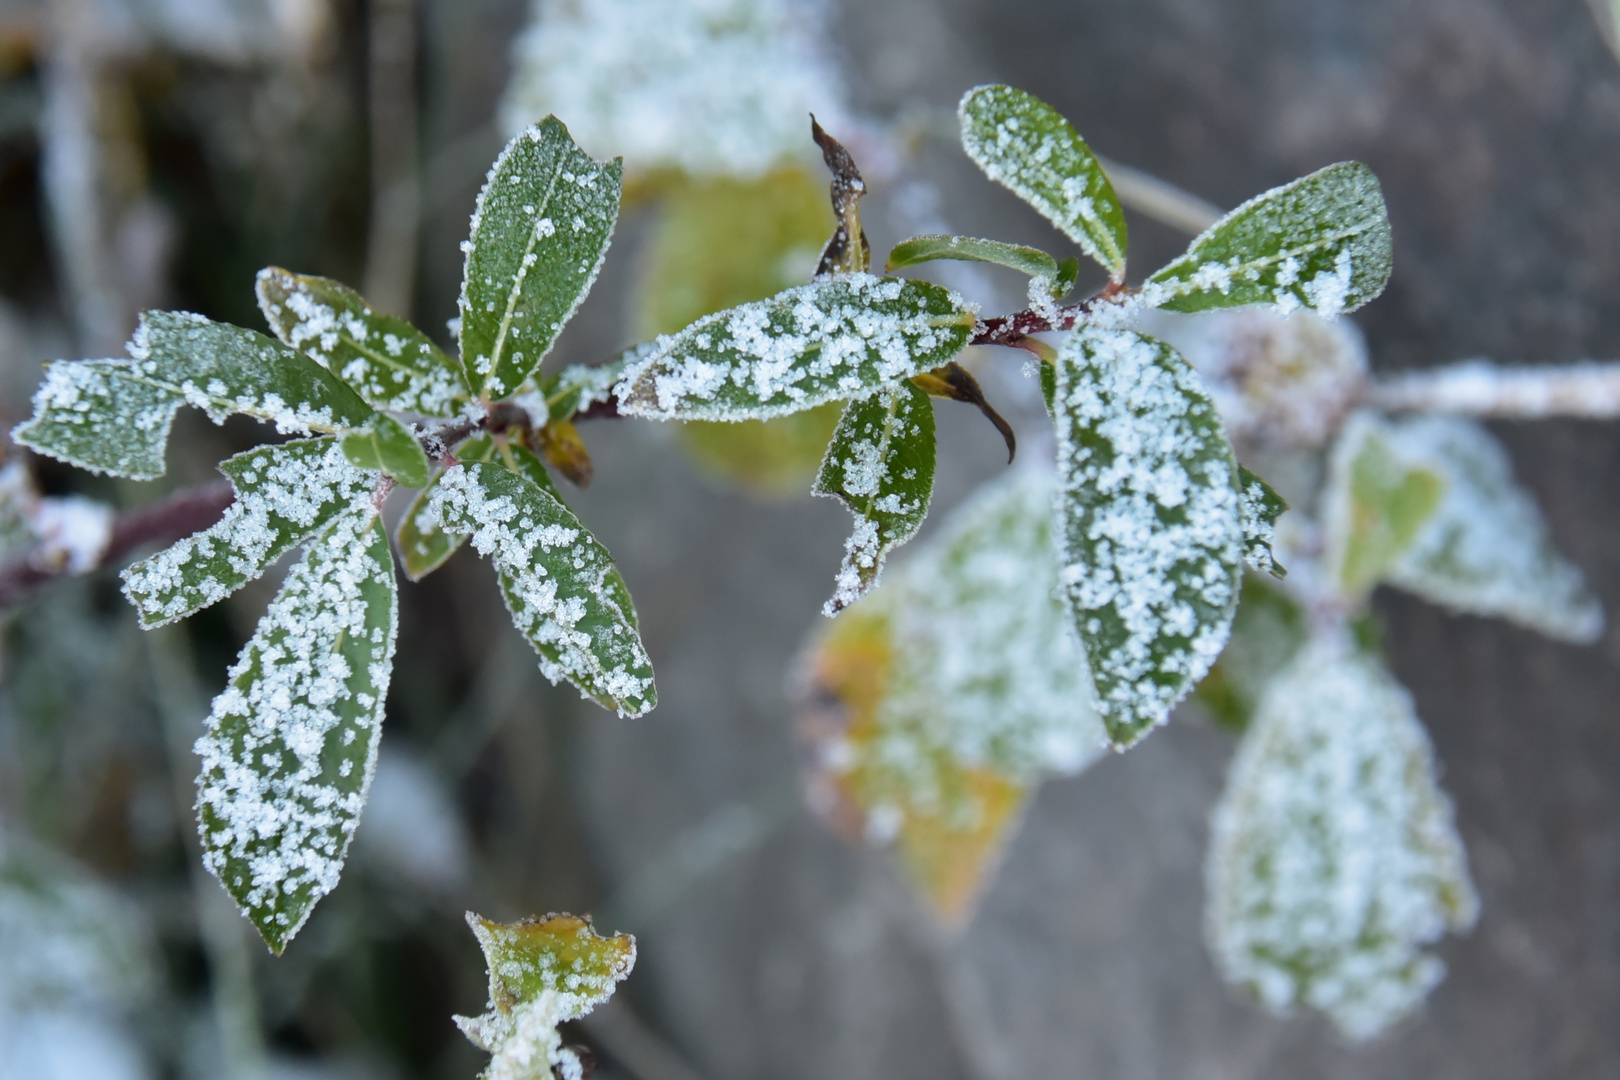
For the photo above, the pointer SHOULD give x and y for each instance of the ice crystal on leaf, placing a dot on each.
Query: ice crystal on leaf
(959, 685)
(560, 585)
(284, 495)
(1321, 243)
(292, 740)
(838, 337)
(1429, 504)
(541, 229)
(1259, 507)
(1333, 858)
(389, 362)
(1149, 514)
(1025, 145)
(542, 972)
(881, 464)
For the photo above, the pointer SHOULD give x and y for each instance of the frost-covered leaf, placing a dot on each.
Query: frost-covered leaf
(1149, 512)
(103, 416)
(284, 495)
(389, 362)
(560, 585)
(1474, 542)
(539, 234)
(1268, 629)
(1259, 507)
(578, 387)
(838, 337)
(1374, 505)
(542, 972)
(1043, 269)
(292, 740)
(1321, 242)
(881, 463)
(1027, 146)
(390, 448)
(1333, 857)
(959, 685)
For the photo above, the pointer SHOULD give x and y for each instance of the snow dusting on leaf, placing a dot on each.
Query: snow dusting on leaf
(101, 415)
(1333, 858)
(540, 231)
(1321, 242)
(292, 740)
(389, 362)
(1259, 507)
(881, 464)
(1028, 147)
(560, 585)
(1149, 513)
(284, 495)
(946, 695)
(838, 337)
(542, 972)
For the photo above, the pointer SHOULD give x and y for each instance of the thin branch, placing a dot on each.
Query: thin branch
(1480, 388)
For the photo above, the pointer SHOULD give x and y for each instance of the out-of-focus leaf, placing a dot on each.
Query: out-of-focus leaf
(1268, 629)
(954, 688)
(560, 585)
(390, 448)
(1027, 146)
(1148, 506)
(1321, 242)
(389, 362)
(1032, 261)
(838, 337)
(560, 444)
(1479, 544)
(772, 458)
(292, 741)
(542, 972)
(284, 495)
(881, 464)
(1374, 505)
(539, 235)
(113, 416)
(1333, 857)
(1259, 507)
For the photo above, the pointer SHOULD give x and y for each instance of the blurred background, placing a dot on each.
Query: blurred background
(159, 152)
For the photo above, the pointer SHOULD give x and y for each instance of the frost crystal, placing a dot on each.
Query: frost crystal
(881, 464)
(705, 86)
(292, 740)
(1149, 513)
(101, 415)
(1333, 858)
(560, 585)
(838, 337)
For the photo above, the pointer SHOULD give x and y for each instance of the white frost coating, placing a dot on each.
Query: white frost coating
(73, 532)
(1481, 388)
(101, 415)
(1333, 857)
(1149, 511)
(292, 740)
(1486, 549)
(284, 494)
(525, 1042)
(1259, 531)
(559, 583)
(839, 337)
(711, 87)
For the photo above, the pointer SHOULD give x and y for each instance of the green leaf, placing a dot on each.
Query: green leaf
(560, 585)
(1321, 242)
(284, 495)
(1333, 855)
(1032, 261)
(837, 337)
(539, 235)
(956, 687)
(291, 743)
(1259, 507)
(1149, 511)
(1028, 147)
(113, 416)
(389, 447)
(1267, 631)
(1375, 504)
(1482, 547)
(389, 362)
(542, 972)
(881, 463)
